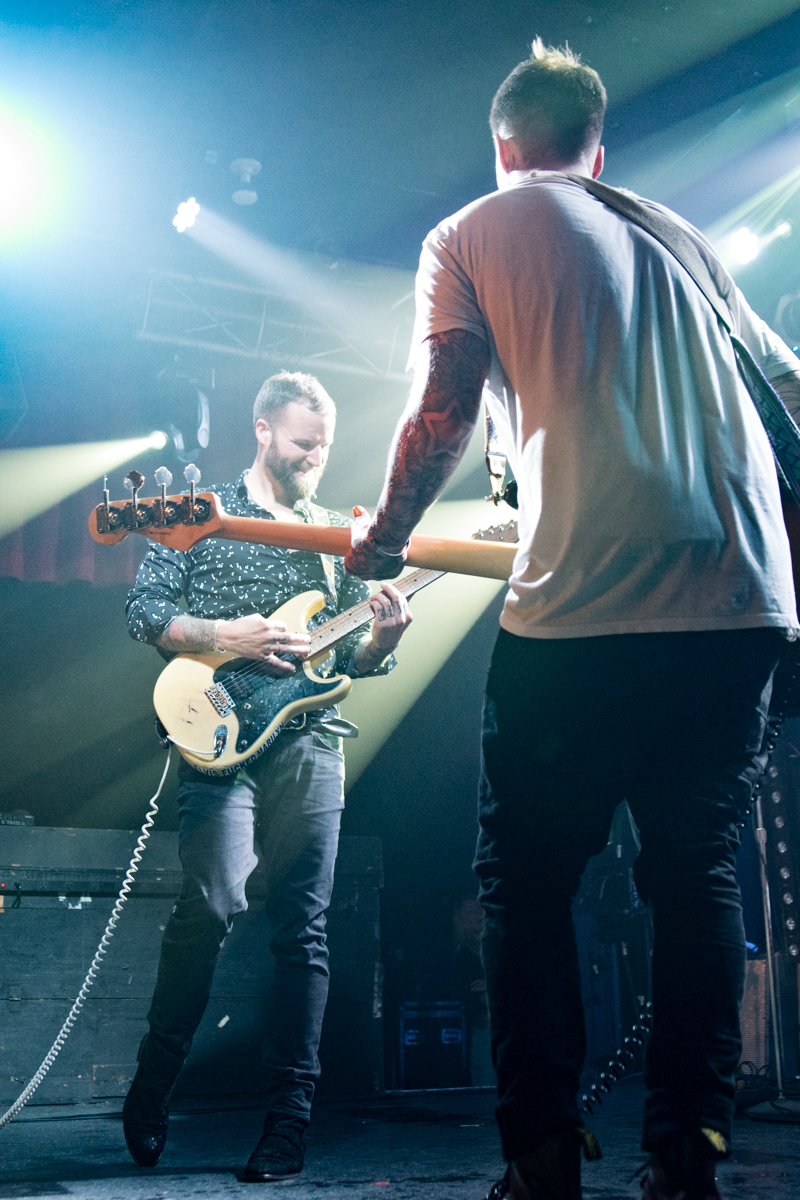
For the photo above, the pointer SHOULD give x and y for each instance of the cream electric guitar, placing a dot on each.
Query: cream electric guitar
(222, 712)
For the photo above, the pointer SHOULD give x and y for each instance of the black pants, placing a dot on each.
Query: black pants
(674, 724)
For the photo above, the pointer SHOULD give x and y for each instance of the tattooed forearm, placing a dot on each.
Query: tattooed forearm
(368, 657)
(788, 388)
(433, 433)
(188, 635)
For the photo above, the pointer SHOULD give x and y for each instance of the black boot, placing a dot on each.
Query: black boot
(280, 1153)
(145, 1113)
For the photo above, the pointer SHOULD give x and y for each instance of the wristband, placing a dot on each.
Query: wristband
(216, 632)
(385, 553)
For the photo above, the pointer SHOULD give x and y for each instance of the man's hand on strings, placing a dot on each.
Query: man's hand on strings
(264, 640)
(392, 617)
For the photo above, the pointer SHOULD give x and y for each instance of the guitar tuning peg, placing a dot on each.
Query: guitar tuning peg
(133, 481)
(163, 476)
(192, 473)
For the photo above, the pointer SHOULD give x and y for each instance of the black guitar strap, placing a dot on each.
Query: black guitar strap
(702, 264)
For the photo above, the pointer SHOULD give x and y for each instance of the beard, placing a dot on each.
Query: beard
(295, 484)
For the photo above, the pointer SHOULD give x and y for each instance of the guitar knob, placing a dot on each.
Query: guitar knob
(133, 481)
(192, 473)
(163, 476)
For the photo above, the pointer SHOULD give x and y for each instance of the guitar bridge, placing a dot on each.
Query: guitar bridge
(221, 698)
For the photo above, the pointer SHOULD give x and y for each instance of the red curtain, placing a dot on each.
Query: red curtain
(56, 547)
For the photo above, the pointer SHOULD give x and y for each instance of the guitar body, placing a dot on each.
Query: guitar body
(222, 711)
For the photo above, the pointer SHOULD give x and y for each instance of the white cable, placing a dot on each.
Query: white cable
(91, 975)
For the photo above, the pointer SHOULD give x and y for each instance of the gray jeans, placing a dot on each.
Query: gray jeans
(293, 798)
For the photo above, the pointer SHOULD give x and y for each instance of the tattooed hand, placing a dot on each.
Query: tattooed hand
(265, 640)
(428, 445)
(254, 636)
(365, 555)
(392, 619)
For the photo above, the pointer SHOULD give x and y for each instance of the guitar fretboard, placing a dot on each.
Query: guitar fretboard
(360, 614)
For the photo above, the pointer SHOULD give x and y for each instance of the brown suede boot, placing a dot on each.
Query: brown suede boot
(550, 1172)
(686, 1169)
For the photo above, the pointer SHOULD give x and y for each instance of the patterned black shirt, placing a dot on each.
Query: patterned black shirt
(223, 580)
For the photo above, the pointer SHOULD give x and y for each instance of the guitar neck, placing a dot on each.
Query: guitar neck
(175, 523)
(460, 555)
(360, 614)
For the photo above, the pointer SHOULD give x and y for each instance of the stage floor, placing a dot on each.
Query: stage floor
(428, 1146)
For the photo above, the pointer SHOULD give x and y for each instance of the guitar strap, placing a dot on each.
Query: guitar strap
(699, 260)
(704, 267)
(320, 517)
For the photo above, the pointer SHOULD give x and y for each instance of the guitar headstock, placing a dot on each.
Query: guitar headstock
(507, 532)
(176, 521)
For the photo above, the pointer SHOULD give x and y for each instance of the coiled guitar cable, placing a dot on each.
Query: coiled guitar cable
(100, 954)
(620, 1062)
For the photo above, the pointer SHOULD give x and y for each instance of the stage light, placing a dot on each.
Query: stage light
(186, 215)
(245, 168)
(744, 245)
(158, 439)
(34, 479)
(31, 177)
(178, 407)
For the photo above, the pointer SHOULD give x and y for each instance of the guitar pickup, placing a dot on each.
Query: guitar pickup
(221, 698)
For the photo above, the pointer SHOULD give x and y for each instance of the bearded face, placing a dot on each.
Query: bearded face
(297, 479)
(294, 450)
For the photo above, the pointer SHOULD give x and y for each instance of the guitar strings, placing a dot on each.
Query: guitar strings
(346, 622)
(339, 626)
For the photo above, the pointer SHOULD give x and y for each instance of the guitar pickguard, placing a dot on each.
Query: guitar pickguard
(258, 697)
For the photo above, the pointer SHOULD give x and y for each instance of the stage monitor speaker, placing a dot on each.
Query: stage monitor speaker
(433, 1045)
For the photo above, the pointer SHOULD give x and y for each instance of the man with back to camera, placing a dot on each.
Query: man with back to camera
(649, 603)
(295, 789)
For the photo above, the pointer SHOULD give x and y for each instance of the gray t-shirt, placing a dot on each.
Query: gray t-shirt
(648, 494)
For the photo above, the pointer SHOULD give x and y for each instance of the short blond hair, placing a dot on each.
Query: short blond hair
(552, 104)
(289, 387)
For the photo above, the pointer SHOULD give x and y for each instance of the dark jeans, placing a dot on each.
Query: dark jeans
(673, 723)
(296, 792)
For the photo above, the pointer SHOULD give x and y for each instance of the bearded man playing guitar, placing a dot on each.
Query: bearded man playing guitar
(294, 789)
(650, 600)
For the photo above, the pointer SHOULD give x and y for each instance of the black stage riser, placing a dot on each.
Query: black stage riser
(48, 941)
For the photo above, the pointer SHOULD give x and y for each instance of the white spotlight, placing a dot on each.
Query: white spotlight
(158, 439)
(245, 168)
(744, 245)
(185, 216)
